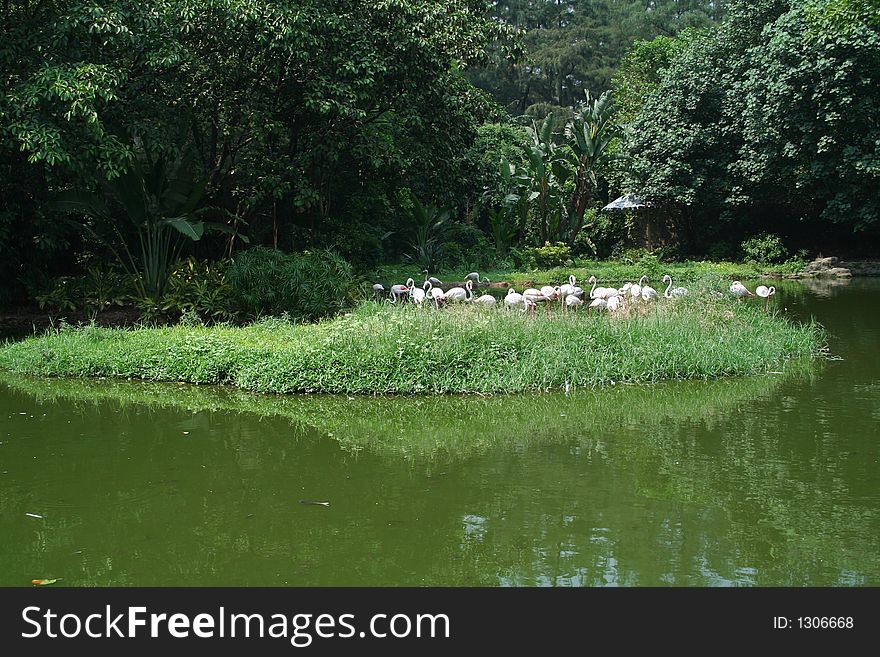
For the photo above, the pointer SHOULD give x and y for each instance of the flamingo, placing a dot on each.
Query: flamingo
(461, 293)
(550, 292)
(486, 300)
(765, 293)
(739, 290)
(673, 292)
(436, 282)
(475, 277)
(417, 294)
(531, 297)
(648, 292)
(397, 291)
(599, 304)
(436, 294)
(378, 290)
(600, 292)
(513, 298)
(613, 304)
(567, 288)
(572, 302)
(635, 291)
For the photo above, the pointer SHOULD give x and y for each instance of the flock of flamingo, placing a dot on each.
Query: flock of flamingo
(568, 295)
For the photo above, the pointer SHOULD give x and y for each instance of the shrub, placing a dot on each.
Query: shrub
(550, 255)
(306, 286)
(100, 289)
(603, 234)
(200, 289)
(765, 248)
(66, 294)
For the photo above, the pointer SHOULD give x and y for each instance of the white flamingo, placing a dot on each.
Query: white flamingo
(417, 294)
(572, 302)
(739, 290)
(378, 290)
(435, 282)
(398, 291)
(532, 297)
(486, 300)
(599, 304)
(461, 293)
(475, 277)
(513, 298)
(601, 292)
(613, 304)
(635, 291)
(765, 293)
(567, 288)
(550, 292)
(436, 294)
(648, 292)
(671, 292)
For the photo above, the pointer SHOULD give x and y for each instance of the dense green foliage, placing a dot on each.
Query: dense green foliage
(146, 133)
(381, 349)
(307, 119)
(772, 119)
(764, 248)
(575, 46)
(308, 286)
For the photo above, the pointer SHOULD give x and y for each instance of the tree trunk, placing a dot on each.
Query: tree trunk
(583, 194)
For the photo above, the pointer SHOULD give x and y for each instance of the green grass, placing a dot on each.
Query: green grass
(606, 271)
(381, 349)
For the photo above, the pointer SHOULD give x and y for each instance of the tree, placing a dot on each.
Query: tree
(306, 116)
(576, 45)
(590, 133)
(764, 122)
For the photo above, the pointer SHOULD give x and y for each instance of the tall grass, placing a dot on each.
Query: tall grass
(381, 349)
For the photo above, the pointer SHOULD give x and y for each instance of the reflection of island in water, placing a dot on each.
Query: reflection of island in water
(687, 483)
(424, 426)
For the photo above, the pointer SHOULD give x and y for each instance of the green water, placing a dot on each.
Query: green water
(762, 481)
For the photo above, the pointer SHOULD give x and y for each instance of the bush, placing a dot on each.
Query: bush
(101, 288)
(549, 255)
(199, 289)
(306, 286)
(766, 249)
(604, 233)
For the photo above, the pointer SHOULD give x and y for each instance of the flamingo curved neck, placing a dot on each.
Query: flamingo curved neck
(668, 287)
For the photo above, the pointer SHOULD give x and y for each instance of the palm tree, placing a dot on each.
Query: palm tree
(589, 134)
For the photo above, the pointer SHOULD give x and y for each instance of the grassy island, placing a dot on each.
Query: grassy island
(380, 349)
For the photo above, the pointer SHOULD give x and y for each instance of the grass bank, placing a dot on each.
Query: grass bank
(381, 349)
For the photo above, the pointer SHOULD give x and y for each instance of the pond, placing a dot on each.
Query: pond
(768, 481)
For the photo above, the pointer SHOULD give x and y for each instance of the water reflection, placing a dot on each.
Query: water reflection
(455, 426)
